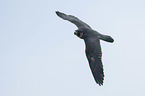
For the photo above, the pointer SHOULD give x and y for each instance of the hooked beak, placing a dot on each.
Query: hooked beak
(76, 32)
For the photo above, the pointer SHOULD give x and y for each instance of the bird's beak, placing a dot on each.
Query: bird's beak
(76, 32)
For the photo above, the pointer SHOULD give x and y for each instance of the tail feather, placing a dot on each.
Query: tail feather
(107, 38)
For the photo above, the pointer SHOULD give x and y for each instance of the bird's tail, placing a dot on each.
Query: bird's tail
(107, 38)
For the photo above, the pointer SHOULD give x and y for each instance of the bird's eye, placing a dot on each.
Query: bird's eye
(80, 34)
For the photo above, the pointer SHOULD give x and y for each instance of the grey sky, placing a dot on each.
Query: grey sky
(40, 56)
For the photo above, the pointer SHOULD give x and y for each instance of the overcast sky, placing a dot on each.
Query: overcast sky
(40, 56)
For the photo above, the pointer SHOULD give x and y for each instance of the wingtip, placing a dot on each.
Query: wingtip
(57, 12)
(61, 15)
(100, 84)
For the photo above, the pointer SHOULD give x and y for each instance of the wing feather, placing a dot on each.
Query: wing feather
(94, 56)
(73, 19)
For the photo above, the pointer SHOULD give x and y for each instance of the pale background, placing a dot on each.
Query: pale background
(40, 56)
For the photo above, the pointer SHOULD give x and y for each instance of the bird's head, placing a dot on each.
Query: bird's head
(79, 33)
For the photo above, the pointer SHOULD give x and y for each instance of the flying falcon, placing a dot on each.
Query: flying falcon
(92, 41)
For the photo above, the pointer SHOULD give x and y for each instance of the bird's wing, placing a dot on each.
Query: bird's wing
(73, 19)
(94, 56)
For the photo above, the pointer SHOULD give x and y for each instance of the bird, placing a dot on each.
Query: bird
(92, 45)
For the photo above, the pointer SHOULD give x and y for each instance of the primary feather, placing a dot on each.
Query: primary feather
(73, 19)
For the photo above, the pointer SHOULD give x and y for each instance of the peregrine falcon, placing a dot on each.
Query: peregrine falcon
(92, 43)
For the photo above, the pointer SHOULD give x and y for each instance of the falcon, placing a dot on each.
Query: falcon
(92, 43)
